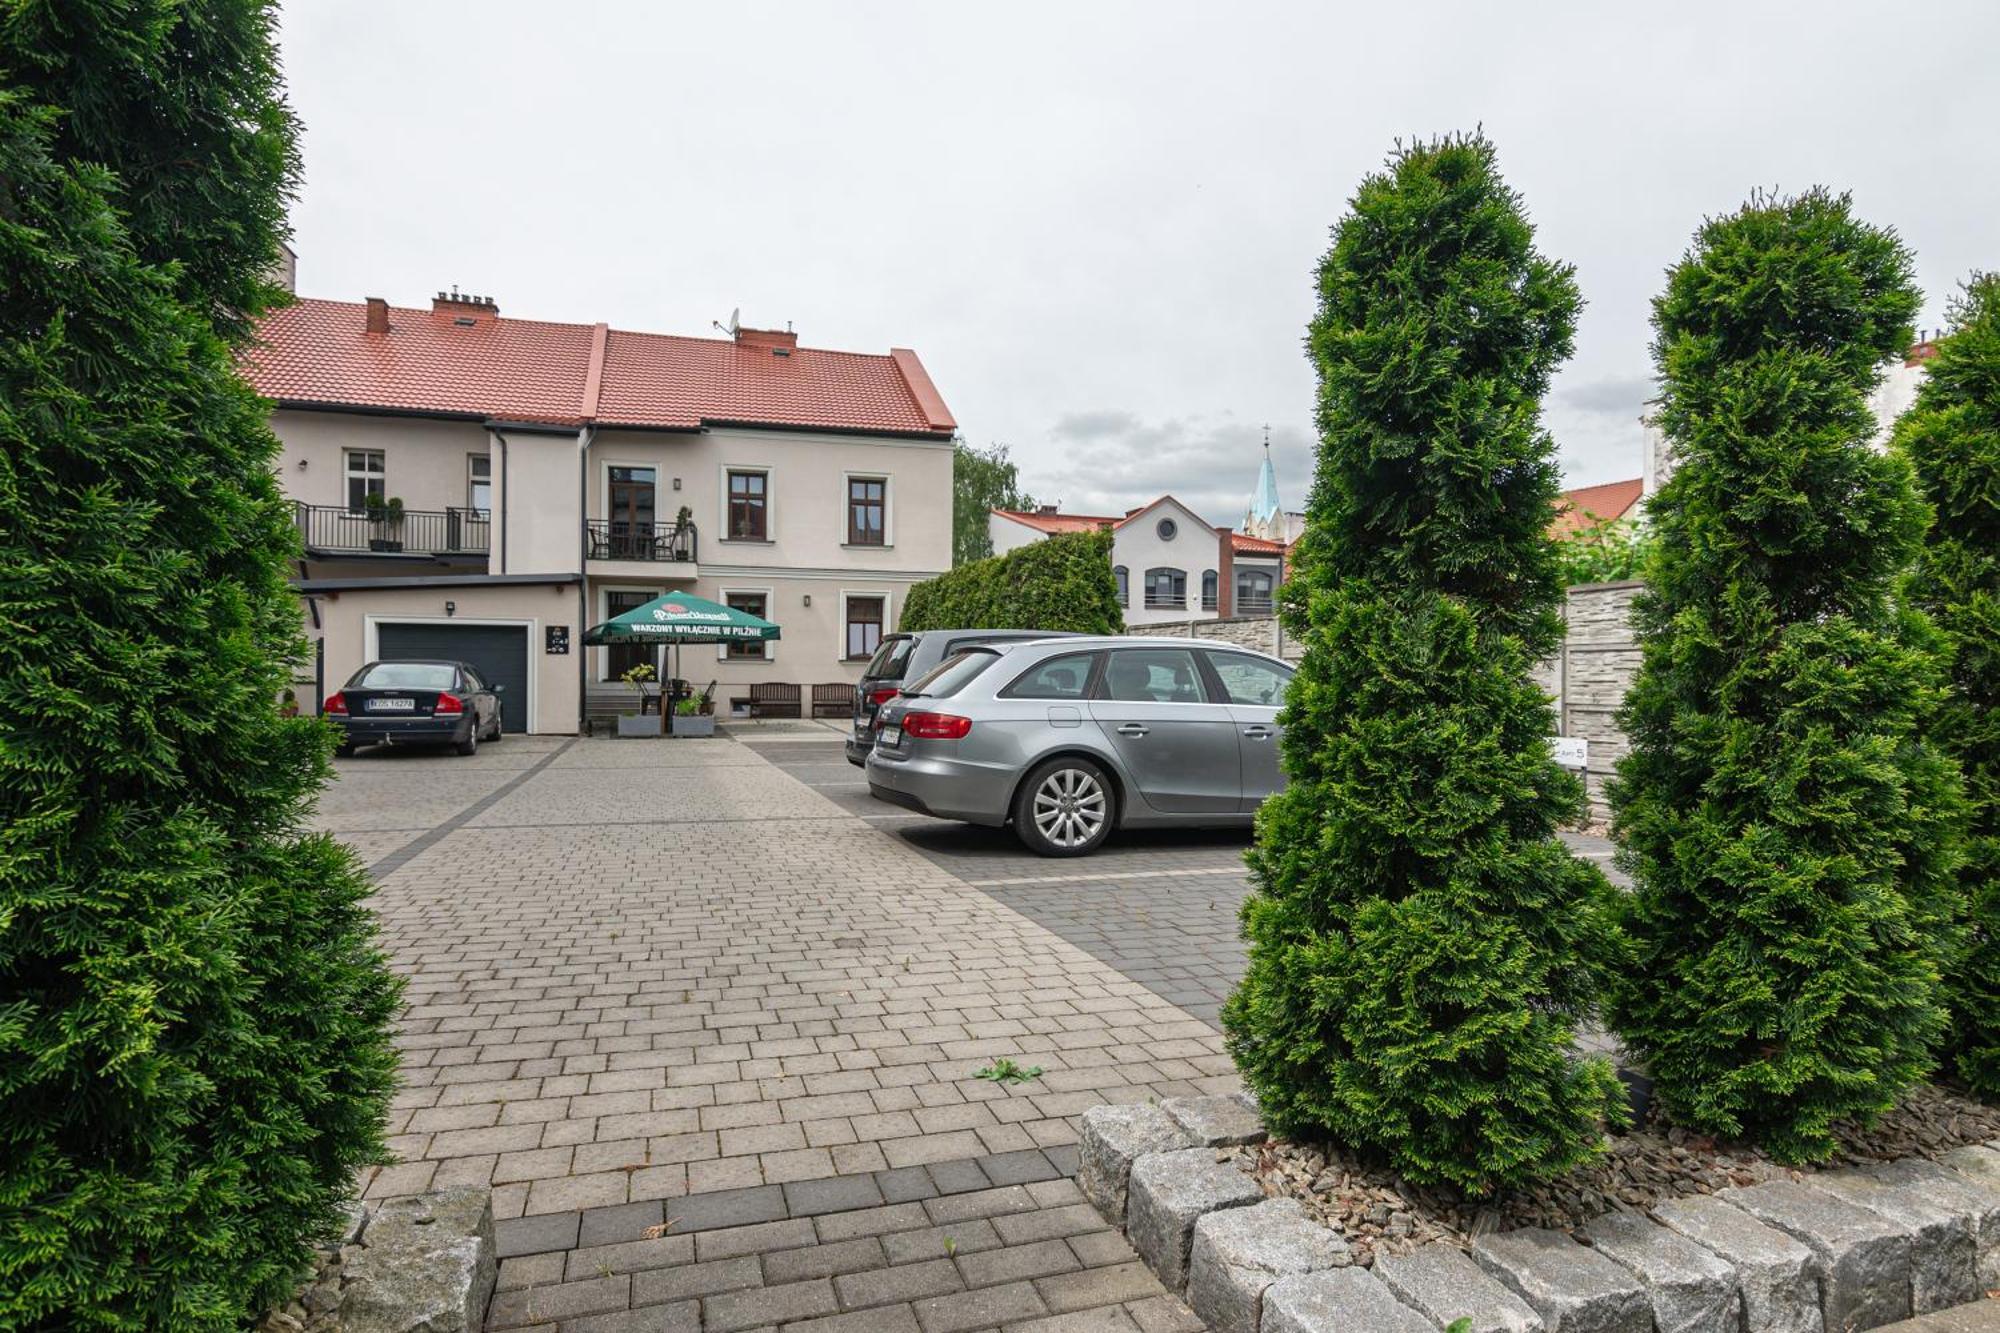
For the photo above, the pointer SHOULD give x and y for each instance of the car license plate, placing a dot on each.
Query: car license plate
(892, 735)
(392, 705)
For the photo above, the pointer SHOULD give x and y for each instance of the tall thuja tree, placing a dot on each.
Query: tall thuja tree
(194, 1055)
(1792, 837)
(1421, 944)
(1952, 438)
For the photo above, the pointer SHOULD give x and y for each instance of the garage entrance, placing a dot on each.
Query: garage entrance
(497, 652)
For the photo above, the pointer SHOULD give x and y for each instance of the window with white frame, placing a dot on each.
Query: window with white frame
(479, 483)
(757, 604)
(867, 511)
(864, 626)
(366, 476)
(749, 505)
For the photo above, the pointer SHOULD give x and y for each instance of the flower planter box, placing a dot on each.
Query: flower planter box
(642, 725)
(697, 724)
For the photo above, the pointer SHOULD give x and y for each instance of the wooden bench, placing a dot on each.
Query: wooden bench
(836, 700)
(771, 699)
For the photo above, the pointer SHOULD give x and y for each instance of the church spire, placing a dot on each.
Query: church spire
(1264, 507)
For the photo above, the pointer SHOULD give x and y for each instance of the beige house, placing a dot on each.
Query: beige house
(487, 488)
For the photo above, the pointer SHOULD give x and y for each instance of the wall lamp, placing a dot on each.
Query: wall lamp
(451, 608)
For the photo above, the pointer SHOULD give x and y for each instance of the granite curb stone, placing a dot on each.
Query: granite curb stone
(1863, 1259)
(1776, 1277)
(1944, 1258)
(1239, 1252)
(1573, 1289)
(1691, 1290)
(1169, 1193)
(428, 1264)
(1112, 1137)
(1977, 1198)
(1216, 1122)
(1443, 1284)
(1337, 1300)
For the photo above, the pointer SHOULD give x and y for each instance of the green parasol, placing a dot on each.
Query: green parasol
(679, 618)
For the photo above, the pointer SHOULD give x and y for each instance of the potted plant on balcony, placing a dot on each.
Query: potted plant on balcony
(638, 724)
(690, 720)
(385, 521)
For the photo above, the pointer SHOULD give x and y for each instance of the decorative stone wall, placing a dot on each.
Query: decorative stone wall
(1262, 633)
(423, 1264)
(1848, 1249)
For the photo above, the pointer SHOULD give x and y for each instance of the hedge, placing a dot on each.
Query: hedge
(1063, 582)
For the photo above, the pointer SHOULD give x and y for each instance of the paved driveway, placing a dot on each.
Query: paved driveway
(669, 985)
(714, 990)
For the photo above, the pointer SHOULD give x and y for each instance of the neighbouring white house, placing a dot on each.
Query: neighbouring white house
(481, 487)
(1892, 397)
(1169, 562)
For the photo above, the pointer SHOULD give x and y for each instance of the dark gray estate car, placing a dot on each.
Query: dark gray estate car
(427, 703)
(904, 657)
(1066, 740)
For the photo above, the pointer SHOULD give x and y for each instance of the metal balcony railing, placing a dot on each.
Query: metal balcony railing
(334, 529)
(1253, 604)
(1209, 601)
(1165, 601)
(623, 539)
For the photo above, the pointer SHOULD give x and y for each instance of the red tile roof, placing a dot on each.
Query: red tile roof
(1060, 522)
(1242, 543)
(319, 353)
(1593, 506)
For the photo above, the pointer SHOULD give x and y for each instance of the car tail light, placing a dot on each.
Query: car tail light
(878, 697)
(337, 705)
(447, 705)
(936, 726)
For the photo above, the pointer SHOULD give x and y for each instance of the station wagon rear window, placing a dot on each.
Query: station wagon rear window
(890, 659)
(1062, 677)
(953, 674)
(407, 676)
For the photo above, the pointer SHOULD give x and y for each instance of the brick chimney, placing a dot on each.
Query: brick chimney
(378, 315)
(778, 340)
(467, 309)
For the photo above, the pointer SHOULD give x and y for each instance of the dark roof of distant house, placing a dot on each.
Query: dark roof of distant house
(461, 358)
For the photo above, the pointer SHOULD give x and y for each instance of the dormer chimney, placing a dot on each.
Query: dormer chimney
(378, 315)
(464, 309)
(780, 341)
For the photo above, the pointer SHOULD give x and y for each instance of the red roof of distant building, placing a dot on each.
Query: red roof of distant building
(463, 359)
(1594, 506)
(1047, 522)
(1242, 543)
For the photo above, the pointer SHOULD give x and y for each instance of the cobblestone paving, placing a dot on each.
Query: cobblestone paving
(711, 1041)
(1159, 906)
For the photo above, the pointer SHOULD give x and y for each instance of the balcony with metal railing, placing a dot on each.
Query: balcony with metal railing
(1165, 601)
(626, 539)
(334, 530)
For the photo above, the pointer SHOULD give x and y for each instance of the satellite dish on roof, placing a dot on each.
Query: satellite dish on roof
(735, 321)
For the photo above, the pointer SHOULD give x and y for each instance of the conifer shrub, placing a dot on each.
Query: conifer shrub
(194, 1050)
(1952, 438)
(1792, 836)
(1421, 944)
(1063, 582)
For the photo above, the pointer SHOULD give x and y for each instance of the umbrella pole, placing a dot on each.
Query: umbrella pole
(660, 674)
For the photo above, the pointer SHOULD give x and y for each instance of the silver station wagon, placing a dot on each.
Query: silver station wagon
(1067, 739)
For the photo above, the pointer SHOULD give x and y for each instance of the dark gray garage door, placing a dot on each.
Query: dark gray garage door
(497, 652)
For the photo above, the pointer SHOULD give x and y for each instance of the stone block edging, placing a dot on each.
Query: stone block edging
(425, 1263)
(1852, 1248)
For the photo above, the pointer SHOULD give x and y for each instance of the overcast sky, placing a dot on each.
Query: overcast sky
(1097, 223)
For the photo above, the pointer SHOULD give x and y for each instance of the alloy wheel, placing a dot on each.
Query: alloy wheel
(1069, 807)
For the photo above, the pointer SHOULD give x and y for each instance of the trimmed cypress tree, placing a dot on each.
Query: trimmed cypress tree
(1421, 944)
(194, 1051)
(1952, 438)
(1792, 836)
